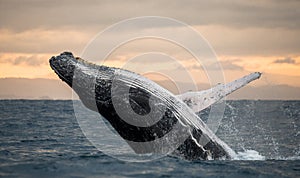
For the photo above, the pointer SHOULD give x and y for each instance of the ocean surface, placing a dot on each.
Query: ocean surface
(42, 138)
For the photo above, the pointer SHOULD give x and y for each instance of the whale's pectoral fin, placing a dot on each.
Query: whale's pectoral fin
(203, 99)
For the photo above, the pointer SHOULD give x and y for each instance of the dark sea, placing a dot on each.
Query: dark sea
(42, 138)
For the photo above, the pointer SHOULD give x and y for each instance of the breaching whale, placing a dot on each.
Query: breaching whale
(148, 117)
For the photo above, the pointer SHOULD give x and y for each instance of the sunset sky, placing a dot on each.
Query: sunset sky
(247, 36)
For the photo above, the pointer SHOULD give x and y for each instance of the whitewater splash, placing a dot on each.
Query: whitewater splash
(256, 156)
(249, 155)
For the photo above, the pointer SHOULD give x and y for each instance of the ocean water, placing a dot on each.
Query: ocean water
(41, 138)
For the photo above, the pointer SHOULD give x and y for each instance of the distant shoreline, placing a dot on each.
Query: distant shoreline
(3, 99)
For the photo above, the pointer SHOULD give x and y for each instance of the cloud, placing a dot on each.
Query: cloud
(228, 65)
(233, 27)
(286, 60)
(54, 14)
(235, 42)
(43, 41)
(225, 65)
(31, 60)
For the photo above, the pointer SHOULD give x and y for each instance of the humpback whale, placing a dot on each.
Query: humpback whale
(148, 117)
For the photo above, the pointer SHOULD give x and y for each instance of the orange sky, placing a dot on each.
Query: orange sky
(258, 39)
(35, 65)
